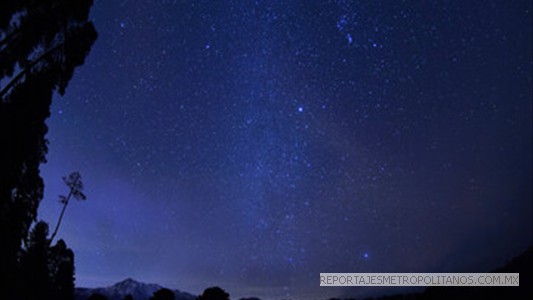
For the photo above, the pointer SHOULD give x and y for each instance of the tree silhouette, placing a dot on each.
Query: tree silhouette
(41, 43)
(214, 293)
(73, 181)
(128, 297)
(97, 296)
(36, 277)
(47, 272)
(163, 294)
(61, 271)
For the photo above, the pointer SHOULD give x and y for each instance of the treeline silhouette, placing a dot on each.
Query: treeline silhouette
(41, 44)
(522, 264)
(212, 293)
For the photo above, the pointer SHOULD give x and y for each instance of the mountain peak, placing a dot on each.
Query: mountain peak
(129, 286)
(127, 281)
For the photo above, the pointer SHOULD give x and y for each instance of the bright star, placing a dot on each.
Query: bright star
(350, 39)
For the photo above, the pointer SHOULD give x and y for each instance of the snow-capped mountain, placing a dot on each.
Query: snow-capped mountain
(139, 291)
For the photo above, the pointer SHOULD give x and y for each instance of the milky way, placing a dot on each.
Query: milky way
(253, 145)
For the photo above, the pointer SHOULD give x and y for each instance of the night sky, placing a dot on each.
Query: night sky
(253, 145)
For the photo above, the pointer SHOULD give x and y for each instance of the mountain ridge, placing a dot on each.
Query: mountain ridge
(139, 291)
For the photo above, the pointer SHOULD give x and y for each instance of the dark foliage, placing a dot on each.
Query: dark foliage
(163, 294)
(41, 43)
(128, 297)
(35, 275)
(61, 270)
(46, 272)
(214, 293)
(97, 297)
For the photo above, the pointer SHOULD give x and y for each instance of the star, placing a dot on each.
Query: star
(349, 38)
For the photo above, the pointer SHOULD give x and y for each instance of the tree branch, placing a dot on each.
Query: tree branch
(60, 218)
(62, 212)
(9, 36)
(27, 69)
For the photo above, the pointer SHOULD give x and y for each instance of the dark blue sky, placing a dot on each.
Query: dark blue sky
(253, 145)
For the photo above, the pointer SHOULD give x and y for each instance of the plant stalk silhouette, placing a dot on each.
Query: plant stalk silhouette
(73, 181)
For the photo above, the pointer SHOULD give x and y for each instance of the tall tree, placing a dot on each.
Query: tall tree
(75, 185)
(35, 272)
(61, 272)
(41, 43)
